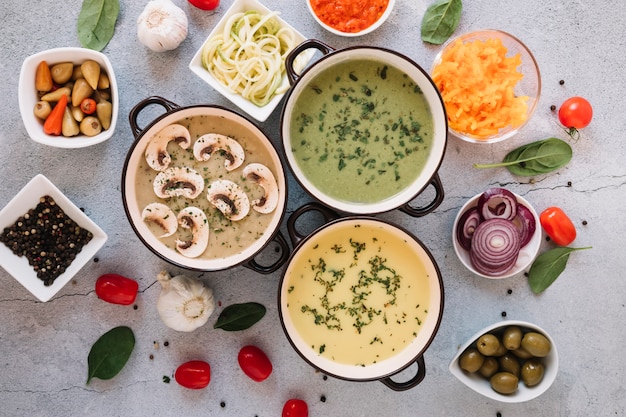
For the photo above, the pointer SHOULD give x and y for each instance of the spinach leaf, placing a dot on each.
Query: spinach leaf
(534, 158)
(110, 353)
(440, 21)
(548, 266)
(239, 316)
(96, 23)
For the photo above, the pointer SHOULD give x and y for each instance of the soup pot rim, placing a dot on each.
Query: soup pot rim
(402, 199)
(272, 233)
(417, 355)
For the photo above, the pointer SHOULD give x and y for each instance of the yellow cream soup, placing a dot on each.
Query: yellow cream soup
(357, 294)
(226, 238)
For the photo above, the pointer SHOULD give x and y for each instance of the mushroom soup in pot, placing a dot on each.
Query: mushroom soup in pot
(204, 188)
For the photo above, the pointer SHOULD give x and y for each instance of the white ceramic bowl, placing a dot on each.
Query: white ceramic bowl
(18, 267)
(529, 85)
(523, 393)
(28, 95)
(259, 113)
(526, 255)
(383, 17)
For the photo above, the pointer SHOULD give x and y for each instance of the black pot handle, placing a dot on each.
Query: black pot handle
(283, 248)
(294, 234)
(424, 210)
(403, 386)
(134, 113)
(292, 75)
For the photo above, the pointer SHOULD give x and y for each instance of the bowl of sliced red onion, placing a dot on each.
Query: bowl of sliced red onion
(497, 234)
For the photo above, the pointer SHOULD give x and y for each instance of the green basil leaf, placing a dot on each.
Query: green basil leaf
(110, 353)
(538, 157)
(96, 23)
(239, 316)
(548, 266)
(440, 21)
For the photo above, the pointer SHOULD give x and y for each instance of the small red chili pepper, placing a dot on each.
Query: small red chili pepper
(116, 289)
(88, 105)
(558, 226)
(54, 122)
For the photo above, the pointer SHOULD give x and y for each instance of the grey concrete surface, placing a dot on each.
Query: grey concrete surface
(44, 346)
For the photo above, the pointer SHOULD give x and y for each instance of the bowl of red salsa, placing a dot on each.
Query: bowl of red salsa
(350, 17)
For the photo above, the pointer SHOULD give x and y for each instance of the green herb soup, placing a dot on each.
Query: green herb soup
(362, 131)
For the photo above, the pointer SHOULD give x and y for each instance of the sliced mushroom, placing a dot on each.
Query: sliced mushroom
(229, 198)
(161, 215)
(195, 220)
(207, 144)
(177, 181)
(261, 175)
(156, 153)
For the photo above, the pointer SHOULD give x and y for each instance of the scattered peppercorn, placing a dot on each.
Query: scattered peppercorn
(504, 314)
(151, 357)
(509, 291)
(562, 82)
(166, 343)
(553, 107)
(96, 260)
(498, 414)
(569, 183)
(222, 404)
(325, 377)
(47, 237)
(323, 398)
(166, 379)
(135, 307)
(584, 222)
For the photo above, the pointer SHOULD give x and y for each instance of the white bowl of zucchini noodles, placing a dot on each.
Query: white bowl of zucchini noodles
(243, 57)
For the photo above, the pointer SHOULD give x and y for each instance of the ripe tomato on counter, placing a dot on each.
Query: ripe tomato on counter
(205, 4)
(116, 289)
(295, 408)
(254, 363)
(575, 113)
(558, 226)
(193, 374)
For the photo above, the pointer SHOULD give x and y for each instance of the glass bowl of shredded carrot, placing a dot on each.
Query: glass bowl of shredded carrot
(490, 85)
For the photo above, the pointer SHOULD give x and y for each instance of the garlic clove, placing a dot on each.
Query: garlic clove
(162, 26)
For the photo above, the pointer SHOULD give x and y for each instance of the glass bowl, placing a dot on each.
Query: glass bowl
(529, 85)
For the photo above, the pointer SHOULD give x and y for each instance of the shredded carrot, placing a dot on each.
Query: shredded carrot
(476, 81)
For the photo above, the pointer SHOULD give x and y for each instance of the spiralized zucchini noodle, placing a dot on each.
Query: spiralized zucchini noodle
(248, 56)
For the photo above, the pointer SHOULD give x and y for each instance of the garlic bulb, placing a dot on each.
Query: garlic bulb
(184, 303)
(162, 25)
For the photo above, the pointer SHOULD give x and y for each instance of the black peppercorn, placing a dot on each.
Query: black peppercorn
(553, 107)
(561, 82)
(504, 314)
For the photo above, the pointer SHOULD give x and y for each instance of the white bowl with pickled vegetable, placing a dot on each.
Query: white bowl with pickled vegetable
(256, 90)
(496, 234)
(105, 92)
(69, 262)
(490, 84)
(535, 375)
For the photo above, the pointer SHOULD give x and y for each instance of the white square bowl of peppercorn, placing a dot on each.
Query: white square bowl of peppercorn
(86, 78)
(45, 239)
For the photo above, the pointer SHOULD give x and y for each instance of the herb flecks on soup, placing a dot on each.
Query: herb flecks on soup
(362, 131)
(357, 295)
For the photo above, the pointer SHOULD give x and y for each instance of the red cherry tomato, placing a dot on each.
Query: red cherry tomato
(205, 4)
(193, 374)
(254, 363)
(116, 289)
(558, 226)
(295, 408)
(575, 113)
(88, 105)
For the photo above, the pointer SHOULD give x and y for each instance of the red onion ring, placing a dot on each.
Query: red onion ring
(495, 247)
(468, 222)
(497, 203)
(525, 222)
